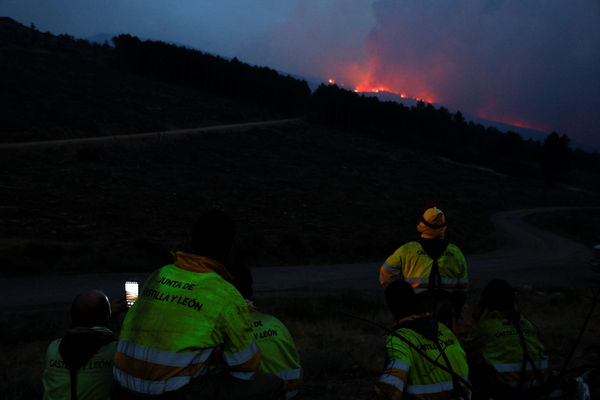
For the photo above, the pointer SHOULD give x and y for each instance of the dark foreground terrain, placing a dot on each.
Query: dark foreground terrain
(345, 183)
(301, 194)
(342, 356)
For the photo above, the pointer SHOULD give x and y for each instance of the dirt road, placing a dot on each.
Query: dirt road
(145, 135)
(533, 256)
(530, 257)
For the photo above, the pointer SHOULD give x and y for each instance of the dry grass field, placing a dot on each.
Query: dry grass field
(301, 193)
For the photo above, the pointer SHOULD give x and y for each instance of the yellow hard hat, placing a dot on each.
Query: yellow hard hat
(432, 224)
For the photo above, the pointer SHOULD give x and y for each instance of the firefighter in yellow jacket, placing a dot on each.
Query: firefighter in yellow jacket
(187, 319)
(506, 356)
(80, 364)
(424, 359)
(435, 268)
(279, 355)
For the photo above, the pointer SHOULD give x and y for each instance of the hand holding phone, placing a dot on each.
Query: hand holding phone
(131, 292)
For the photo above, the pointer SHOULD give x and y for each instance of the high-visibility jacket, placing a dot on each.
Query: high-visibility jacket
(496, 339)
(94, 379)
(412, 264)
(184, 312)
(408, 372)
(279, 355)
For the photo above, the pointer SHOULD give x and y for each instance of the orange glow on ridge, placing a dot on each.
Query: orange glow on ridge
(491, 114)
(366, 77)
(367, 87)
(536, 126)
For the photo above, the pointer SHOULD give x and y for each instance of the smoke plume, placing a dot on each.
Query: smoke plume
(532, 63)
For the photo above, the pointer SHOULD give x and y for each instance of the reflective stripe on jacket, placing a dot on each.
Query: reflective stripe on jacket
(412, 264)
(279, 355)
(184, 312)
(496, 339)
(409, 372)
(94, 380)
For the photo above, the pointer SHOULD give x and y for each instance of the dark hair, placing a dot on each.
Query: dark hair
(90, 309)
(498, 295)
(401, 299)
(242, 279)
(212, 235)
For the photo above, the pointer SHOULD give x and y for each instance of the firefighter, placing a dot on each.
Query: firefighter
(424, 359)
(279, 355)
(435, 268)
(506, 356)
(187, 319)
(80, 364)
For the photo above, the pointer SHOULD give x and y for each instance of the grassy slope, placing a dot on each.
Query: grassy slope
(301, 194)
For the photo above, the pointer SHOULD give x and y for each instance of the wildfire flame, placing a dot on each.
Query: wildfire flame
(366, 78)
(367, 87)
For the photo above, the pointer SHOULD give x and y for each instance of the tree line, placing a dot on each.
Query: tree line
(438, 131)
(423, 126)
(193, 68)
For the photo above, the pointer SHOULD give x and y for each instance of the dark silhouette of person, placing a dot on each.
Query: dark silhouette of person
(79, 365)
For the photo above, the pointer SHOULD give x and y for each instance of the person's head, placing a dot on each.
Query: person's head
(212, 235)
(242, 279)
(91, 309)
(432, 224)
(401, 299)
(498, 295)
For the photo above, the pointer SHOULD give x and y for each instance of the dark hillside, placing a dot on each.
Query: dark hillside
(437, 131)
(344, 185)
(301, 193)
(62, 87)
(56, 87)
(206, 72)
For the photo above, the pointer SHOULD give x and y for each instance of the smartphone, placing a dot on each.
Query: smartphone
(131, 292)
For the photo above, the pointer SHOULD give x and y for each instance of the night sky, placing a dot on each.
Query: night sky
(530, 63)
